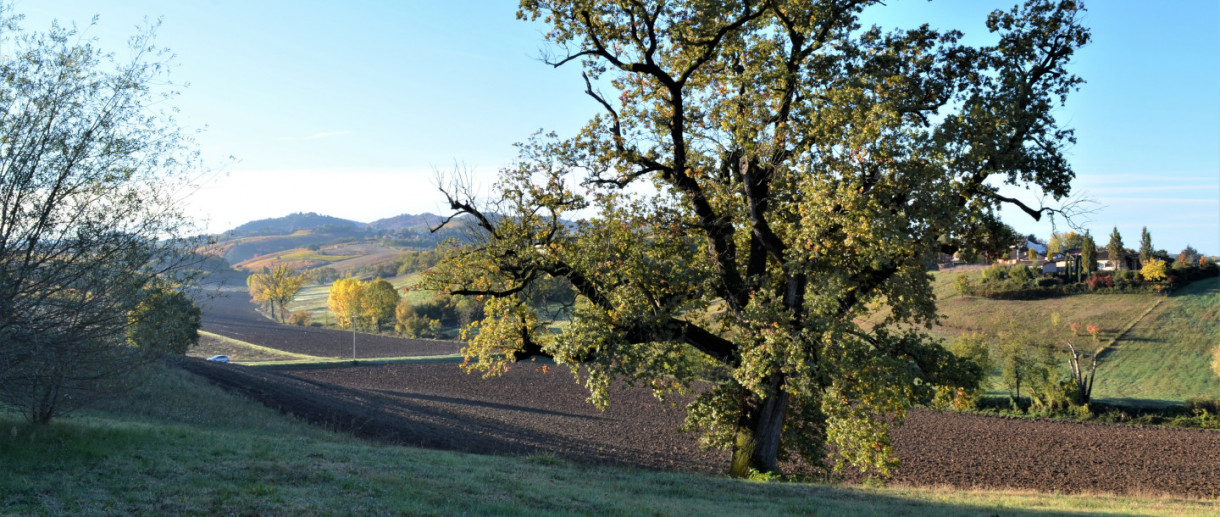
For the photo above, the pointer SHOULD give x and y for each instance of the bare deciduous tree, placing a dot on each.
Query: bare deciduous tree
(89, 174)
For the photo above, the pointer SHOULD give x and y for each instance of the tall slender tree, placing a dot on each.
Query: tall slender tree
(1146, 249)
(1088, 253)
(805, 169)
(1115, 247)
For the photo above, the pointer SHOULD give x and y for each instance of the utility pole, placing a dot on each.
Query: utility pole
(352, 318)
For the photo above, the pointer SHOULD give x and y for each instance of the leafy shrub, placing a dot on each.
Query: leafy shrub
(1051, 396)
(995, 273)
(1047, 281)
(299, 318)
(1208, 266)
(1209, 404)
(1126, 276)
(165, 321)
(1155, 270)
(417, 322)
(1023, 274)
(1098, 280)
(972, 349)
(962, 285)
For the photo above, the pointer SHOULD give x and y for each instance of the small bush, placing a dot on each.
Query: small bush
(995, 273)
(1047, 281)
(1209, 404)
(299, 318)
(1126, 276)
(1208, 267)
(962, 285)
(1154, 270)
(1098, 280)
(1023, 274)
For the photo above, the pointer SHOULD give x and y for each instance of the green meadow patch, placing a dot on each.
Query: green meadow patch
(1166, 356)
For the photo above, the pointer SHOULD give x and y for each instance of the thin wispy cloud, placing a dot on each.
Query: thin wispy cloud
(1166, 200)
(315, 136)
(1153, 188)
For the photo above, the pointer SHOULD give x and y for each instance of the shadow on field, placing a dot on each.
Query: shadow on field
(492, 405)
(448, 423)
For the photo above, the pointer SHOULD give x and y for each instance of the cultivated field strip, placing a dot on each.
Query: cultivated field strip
(232, 315)
(534, 411)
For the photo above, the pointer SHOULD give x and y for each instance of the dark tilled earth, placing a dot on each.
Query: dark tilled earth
(232, 315)
(531, 410)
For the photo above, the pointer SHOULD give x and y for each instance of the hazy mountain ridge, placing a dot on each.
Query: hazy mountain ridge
(312, 230)
(424, 221)
(293, 223)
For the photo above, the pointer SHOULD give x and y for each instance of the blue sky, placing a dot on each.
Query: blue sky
(351, 108)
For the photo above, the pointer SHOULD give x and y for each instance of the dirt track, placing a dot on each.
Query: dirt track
(232, 315)
(527, 411)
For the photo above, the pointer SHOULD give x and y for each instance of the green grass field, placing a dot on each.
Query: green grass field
(1163, 357)
(1167, 355)
(962, 314)
(182, 446)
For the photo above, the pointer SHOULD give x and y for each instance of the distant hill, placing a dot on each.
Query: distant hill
(292, 223)
(308, 230)
(424, 221)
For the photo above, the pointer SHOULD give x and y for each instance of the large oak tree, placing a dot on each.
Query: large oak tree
(768, 180)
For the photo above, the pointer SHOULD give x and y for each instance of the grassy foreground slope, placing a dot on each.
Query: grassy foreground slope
(1167, 355)
(184, 446)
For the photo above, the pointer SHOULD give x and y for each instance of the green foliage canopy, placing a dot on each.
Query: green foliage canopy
(166, 321)
(1088, 253)
(1115, 247)
(1062, 242)
(380, 300)
(800, 172)
(1146, 250)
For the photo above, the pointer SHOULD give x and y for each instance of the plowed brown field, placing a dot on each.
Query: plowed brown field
(530, 411)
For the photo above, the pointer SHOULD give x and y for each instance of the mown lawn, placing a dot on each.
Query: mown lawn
(184, 446)
(1167, 355)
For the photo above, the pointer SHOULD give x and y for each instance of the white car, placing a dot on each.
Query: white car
(219, 359)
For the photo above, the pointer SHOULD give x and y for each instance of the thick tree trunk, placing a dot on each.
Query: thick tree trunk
(756, 446)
